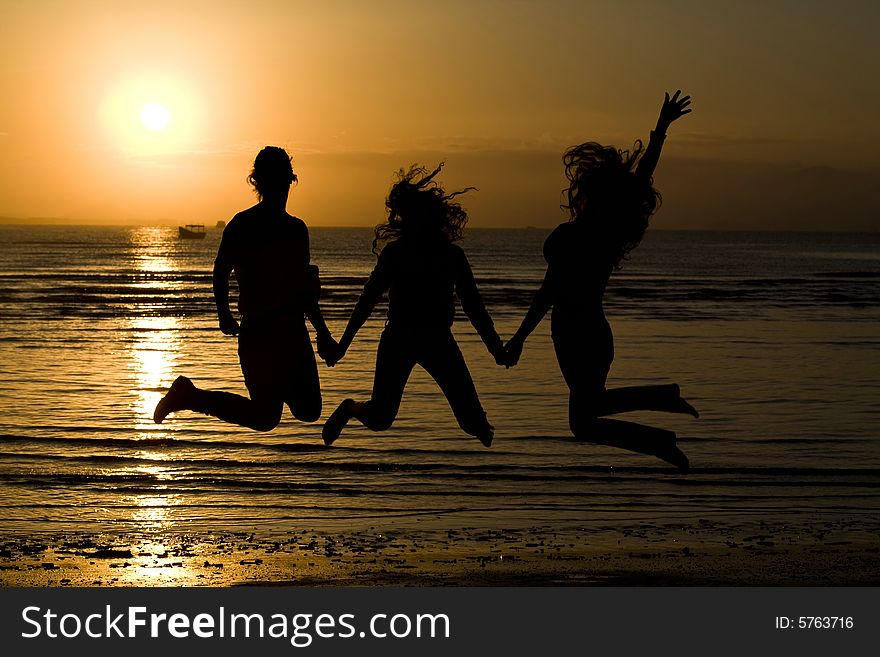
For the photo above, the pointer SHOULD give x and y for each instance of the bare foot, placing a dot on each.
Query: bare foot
(486, 438)
(337, 421)
(681, 405)
(175, 399)
(676, 457)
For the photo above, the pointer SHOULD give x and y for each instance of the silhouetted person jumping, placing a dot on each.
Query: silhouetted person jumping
(610, 199)
(420, 267)
(268, 250)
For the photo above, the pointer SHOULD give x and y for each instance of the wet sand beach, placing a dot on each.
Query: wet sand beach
(703, 552)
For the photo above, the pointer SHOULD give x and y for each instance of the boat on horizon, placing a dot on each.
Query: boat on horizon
(191, 232)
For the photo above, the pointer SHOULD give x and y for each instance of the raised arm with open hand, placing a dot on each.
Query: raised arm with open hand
(672, 109)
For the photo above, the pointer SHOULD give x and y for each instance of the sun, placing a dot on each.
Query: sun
(151, 113)
(155, 117)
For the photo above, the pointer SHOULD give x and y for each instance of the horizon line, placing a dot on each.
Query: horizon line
(58, 222)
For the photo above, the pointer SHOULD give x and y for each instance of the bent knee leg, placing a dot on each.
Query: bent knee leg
(377, 417)
(266, 417)
(583, 414)
(584, 427)
(307, 410)
(379, 422)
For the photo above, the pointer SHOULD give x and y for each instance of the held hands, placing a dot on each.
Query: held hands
(508, 355)
(497, 351)
(512, 352)
(328, 349)
(673, 109)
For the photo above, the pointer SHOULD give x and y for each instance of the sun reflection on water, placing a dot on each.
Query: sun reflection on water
(154, 351)
(159, 506)
(154, 512)
(155, 339)
(156, 559)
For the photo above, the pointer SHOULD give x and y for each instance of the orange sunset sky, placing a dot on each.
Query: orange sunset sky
(784, 135)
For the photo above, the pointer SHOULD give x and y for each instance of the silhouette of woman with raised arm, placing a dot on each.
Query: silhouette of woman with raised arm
(610, 199)
(268, 250)
(420, 267)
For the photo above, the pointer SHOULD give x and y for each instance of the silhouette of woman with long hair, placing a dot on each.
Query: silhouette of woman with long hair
(420, 267)
(268, 249)
(610, 199)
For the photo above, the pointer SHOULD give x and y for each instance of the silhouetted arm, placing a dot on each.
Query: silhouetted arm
(327, 346)
(317, 319)
(375, 287)
(651, 156)
(312, 304)
(220, 281)
(315, 316)
(312, 295)
(673, 108)
(473, 306)
(541, 303)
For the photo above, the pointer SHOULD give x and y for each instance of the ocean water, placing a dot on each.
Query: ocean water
(775, 338)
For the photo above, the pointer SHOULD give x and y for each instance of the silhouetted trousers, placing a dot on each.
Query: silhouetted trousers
(585, 352)
(435, 349)
(279, 368)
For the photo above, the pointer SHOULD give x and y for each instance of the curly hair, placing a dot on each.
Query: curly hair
(605, 190)
(418, 204)
(273, 170)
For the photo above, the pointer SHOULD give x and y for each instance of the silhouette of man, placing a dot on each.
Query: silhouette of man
(268, 249)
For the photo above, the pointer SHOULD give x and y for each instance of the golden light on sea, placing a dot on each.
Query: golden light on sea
(153, 512)
(153, 357)
(155, 339)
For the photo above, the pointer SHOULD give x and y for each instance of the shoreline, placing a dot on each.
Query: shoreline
(818, 552)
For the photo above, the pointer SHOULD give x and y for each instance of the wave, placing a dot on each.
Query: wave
(179, 299)
(219, 473)
(487, 470)
(215, 447)
(142, 443)
(311, 504)
(446, 489)
(225, 445)
(849, 274)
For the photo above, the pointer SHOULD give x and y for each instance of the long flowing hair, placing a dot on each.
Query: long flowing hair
(418, 205)
(605, 192)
